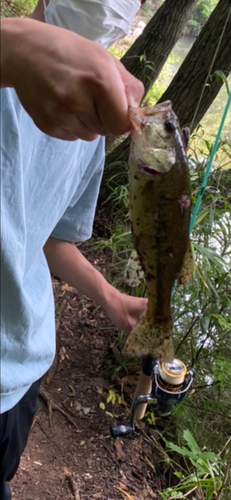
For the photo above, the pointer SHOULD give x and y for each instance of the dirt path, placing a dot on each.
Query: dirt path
(70, 454)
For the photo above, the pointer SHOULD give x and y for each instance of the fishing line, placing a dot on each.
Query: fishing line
(216, 142)
(209, 165)
(215, 145)
(206, 175)
(204, 181)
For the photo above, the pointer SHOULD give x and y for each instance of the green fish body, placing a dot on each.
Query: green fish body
(160, 201)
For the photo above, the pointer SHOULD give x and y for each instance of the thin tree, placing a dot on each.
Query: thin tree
(146, 57)
(195, 83)
(148, 54)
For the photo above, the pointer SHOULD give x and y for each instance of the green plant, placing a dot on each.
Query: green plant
(205, 472)
(10, 8)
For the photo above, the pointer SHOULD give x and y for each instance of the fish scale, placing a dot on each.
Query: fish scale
(159, 204)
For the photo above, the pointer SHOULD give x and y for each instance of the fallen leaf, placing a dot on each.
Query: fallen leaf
(99, 390)
(67, 287)
(69, 331)
(78, 406)
(125, 493)
(150, 493)
(86, 410)
(63, 354)
(119, 452)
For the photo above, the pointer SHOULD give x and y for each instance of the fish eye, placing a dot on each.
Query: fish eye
(169, 125)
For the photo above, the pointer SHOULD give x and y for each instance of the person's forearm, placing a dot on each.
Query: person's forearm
(15, 45)
(67, 262)
(7, 46)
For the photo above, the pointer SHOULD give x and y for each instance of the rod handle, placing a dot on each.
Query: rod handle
(144, 387)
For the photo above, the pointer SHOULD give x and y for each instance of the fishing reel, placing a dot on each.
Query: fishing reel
(165, 384)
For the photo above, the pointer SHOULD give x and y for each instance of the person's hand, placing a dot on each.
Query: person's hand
(71, 87)
(124, 310)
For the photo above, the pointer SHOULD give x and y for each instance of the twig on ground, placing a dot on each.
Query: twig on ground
(73, 484)
(53, 406)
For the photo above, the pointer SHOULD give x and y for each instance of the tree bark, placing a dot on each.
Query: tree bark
(210, 52)
(147, 55)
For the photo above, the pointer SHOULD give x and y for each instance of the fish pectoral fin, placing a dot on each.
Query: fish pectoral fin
(186, 273)
(153, 339)
(186, 136)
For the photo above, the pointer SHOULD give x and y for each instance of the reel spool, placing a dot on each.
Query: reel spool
(169, 385)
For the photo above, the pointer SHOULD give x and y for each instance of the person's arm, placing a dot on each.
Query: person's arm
(70, 86)
(67, 262)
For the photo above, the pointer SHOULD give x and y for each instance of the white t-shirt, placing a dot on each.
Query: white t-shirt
(48, 187)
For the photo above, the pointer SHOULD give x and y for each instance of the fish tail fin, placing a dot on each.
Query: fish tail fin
(154, 339)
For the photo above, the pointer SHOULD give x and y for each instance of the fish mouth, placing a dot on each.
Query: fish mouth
(149, 170)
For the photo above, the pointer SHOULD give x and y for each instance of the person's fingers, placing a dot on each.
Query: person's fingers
(125, 90)
(72, 97)
(134, 91)
(101, 105)
(112, 108)
(134, 88)
(69, 135)
(64, 123)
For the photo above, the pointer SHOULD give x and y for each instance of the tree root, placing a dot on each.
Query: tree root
(54, 406)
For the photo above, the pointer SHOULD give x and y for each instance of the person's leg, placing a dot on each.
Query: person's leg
(15, 426)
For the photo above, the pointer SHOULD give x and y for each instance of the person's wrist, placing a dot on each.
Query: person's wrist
(109, 296)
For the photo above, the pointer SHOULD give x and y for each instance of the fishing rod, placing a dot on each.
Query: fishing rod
(166, 384)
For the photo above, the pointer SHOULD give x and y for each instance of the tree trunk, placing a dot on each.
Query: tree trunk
(211, 52)
(148, 54)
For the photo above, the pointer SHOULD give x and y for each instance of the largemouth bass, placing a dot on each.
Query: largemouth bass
(160, 201)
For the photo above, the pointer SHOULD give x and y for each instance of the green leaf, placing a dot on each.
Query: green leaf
(192, 444)
(111, 397)
(212, 256)
(222, 321)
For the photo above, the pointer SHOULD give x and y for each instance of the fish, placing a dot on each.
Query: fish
(160, 212)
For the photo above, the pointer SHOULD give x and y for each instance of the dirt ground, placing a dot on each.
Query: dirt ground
(70, 453)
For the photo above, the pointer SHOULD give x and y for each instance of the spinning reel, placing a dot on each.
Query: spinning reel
(163, 383)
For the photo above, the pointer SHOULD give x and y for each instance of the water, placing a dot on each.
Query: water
(211, 121)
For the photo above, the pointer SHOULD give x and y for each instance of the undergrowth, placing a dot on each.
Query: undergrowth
(202, 326)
